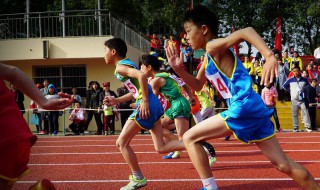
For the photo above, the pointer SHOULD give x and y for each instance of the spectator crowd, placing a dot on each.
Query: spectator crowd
(295, 82)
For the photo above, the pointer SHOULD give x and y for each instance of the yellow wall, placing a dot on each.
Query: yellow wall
(64, 51)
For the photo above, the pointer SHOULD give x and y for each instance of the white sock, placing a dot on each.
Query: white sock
(138, 175)
(209, 184)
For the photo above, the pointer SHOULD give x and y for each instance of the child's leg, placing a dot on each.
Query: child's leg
(213, 127)
(159, 144)
(182, 125)
(168, 124)
(129, 130)
(273, 151)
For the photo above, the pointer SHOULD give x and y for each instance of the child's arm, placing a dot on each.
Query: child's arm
(156, 84)
(24, 84)
(221, 45)
(176, 63)
(124, 70)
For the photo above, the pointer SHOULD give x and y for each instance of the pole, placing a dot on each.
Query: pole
(27, 17)
(63, 18)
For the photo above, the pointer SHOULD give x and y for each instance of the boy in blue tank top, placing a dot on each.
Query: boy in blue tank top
(146, 116)
(247, 118)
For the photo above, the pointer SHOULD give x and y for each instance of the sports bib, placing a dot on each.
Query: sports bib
(220, 85)
(132, 88)
(178, 80)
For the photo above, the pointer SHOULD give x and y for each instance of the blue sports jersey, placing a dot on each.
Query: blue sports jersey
(242, 101)
(133, 85)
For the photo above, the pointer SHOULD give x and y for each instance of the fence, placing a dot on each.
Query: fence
(284, 114)
(69, 24)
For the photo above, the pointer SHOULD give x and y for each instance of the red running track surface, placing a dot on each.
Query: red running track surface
(95, 163)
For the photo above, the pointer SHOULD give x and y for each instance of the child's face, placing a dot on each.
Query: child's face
(296, 72)
(146, 70)
(108, 56)
(51, 91)
(194, 35)
(304, 74)
(77, 105)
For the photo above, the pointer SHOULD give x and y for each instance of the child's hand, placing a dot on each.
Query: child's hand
(144, 111)
(174, 60)
(109, 101)
(270, 70)
(58, 104)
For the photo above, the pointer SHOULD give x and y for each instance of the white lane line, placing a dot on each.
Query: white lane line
(146, 163)
(108, 145)
(165, 180)
(153, 152)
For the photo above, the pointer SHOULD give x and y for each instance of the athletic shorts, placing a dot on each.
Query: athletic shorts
(14, 160)
(156, 112)
(180, 107)
(249, 130)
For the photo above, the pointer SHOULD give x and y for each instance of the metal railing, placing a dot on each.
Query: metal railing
(69, 24)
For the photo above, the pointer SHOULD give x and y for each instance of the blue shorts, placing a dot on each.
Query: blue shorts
(249, 130)
(156, 112)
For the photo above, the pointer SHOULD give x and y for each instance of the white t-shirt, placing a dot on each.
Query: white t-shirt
(317, 53)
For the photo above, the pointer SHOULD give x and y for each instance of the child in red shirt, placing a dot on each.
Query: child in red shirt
(15, 137)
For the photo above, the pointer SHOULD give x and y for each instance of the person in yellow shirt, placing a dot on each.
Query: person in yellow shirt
(286, 60)
(296, 60)
(257, 73)
(248, 65)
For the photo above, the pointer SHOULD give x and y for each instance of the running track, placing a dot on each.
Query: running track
(94, 163)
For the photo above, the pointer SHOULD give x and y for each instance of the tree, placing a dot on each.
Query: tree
(303, 24)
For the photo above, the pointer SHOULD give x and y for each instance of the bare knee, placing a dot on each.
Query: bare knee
(284, 167)
(121, 144)
(187, 138)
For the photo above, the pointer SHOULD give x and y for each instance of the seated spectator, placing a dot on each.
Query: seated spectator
(268, 95)
(78, 119)
(76, 97)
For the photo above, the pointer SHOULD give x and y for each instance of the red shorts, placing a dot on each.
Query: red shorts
(14, 160)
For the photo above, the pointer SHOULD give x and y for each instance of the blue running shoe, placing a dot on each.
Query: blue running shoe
(169, 156)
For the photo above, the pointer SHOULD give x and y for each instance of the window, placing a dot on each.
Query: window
(63, 77)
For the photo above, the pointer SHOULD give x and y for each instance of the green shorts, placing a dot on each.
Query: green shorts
(180, 107)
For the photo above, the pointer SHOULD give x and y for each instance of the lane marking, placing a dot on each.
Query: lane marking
(108, 145)
(165, 180)
(153, 152)
(123, 163)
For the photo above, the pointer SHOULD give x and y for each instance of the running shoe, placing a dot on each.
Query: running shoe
(176, 154)
(168, 156)
(42, 184)
(134, 183)
(207, 189)
(212, 160)
(209, 149)
(295, 130)
(227, 138)
(308, 130)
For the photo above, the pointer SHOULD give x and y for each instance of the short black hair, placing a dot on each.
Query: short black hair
(151, 60)
(201, 15)
(117, 44)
